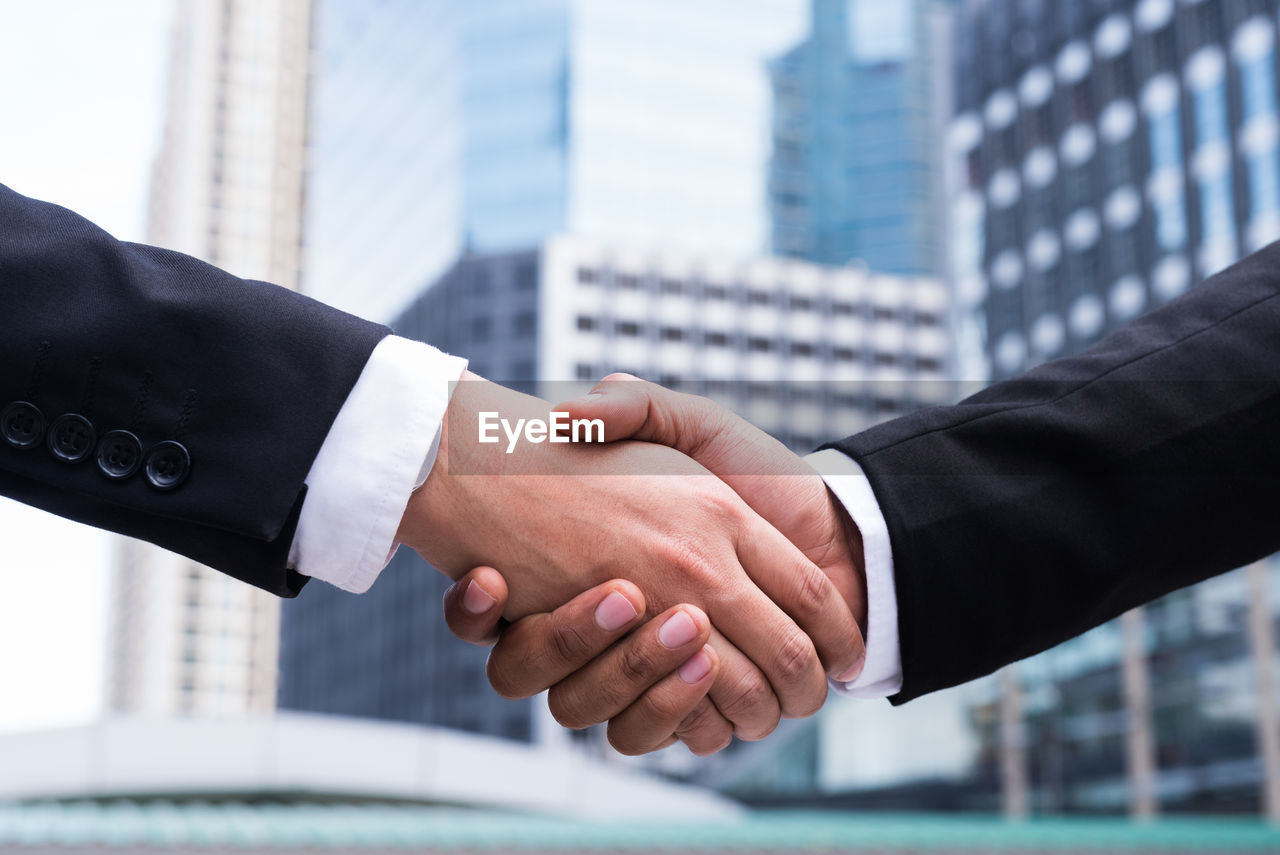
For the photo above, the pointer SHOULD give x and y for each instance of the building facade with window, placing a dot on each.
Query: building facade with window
(1106, 156)
(806, 352)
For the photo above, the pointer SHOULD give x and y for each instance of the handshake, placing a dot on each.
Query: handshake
(687, 579)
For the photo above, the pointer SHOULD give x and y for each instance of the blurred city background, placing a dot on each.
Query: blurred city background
(823, 212)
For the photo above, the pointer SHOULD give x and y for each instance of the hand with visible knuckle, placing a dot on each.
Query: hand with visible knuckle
(683, 541)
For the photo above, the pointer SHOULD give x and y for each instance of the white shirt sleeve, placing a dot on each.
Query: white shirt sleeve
(882, 673)
(378, 451)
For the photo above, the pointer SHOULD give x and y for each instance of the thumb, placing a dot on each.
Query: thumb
(717, 438)
(631, 408)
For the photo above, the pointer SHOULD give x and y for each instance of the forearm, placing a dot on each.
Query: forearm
(246, 376)
(1049, 504)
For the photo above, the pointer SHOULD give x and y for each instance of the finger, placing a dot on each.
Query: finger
(473, 606)
(807, 595)
(611, 683)
(704, 730)
(621, 401)
(742, 694)
(758, 627)
(541, 650)
(718, 438)
(647, 724)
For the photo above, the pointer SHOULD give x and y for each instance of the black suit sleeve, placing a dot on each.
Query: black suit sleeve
(229, 387)
(1050, 503)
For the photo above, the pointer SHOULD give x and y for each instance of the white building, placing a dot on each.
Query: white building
(807, 352)
(227, 188)
(326, 759)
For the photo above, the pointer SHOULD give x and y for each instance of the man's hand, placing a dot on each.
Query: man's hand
(780, 486)
(561, 519)
(648, 686)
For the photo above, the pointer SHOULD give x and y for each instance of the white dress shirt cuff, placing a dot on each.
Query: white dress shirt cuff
(377, 452)
(882, 673)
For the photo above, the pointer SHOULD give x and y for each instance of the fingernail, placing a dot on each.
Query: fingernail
(696, 668)
(477, 600)
(852, 674)
(615, 612)
(678, 631)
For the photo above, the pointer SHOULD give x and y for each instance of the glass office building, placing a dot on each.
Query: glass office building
(449, 125)
(1106, 156)
(854, 168)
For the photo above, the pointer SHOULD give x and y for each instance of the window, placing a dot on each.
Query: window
(804, 394)
(717, 339)
(844, 309)
(672, 334)
(1264, 183)
(526, 277)
(1260, 105)
(1258, 84)
(884, 314)
(628, 328)
(758, 298)
(1167, 194)
(926, 319)
(848, 401)
(844, 354)
(1216, 206)
(717, 292)
(525, 324)
(671, 286)
(801, 348)
(928, 364)
(886, 359)
(759, 344)
(1166, 140)
(1211, 113)
(628, 281)
(587, 276)
(585, 371)
(801, 304)
(586, 323)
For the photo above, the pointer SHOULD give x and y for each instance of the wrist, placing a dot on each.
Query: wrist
(847, 569)
(426, 521)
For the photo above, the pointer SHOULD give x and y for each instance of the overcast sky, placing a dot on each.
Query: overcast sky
(81, 88)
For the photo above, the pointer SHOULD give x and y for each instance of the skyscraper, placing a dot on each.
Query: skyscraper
(448, 125)
(1115, 154)
(227, 188)
(1105, 157)
(854, 171)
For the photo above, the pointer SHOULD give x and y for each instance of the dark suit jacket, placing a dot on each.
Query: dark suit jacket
(1053, 502)
(146, 392)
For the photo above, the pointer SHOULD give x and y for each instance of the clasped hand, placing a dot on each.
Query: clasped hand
(748, 572)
